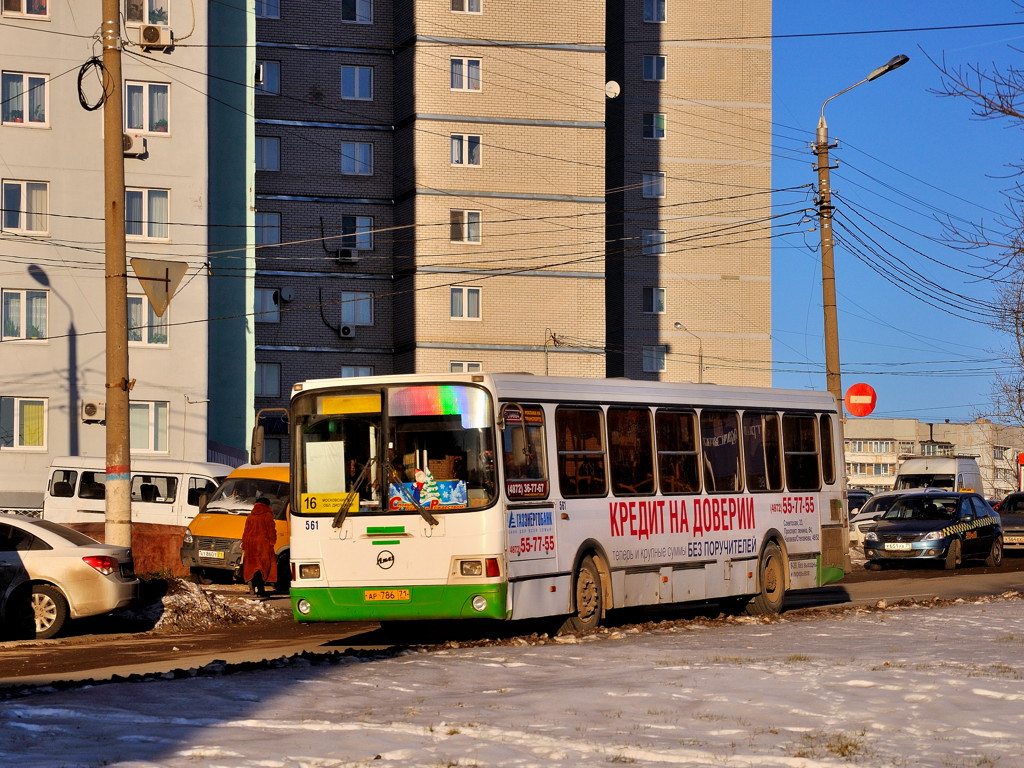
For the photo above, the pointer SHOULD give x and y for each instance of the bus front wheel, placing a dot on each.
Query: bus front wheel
(589, 598)
(771, 583)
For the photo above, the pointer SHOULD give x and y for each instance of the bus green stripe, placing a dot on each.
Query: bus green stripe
(383, 542)
(385, 530)
(426, 602)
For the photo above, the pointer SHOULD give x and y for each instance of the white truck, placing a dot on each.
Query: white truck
(954, 473)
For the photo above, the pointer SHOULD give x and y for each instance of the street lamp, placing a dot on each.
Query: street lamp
(700, 350)
(828, 267)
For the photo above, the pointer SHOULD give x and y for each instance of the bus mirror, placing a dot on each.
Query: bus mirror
(256, 447)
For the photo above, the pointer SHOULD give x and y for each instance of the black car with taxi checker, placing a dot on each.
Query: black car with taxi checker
(939, 525)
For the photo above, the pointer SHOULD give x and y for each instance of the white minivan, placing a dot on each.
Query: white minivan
(952, 473)
(165, 495)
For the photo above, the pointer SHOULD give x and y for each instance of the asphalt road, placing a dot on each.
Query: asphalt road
(105, 648)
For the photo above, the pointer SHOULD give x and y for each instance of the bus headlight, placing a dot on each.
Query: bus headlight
(188, 536)
(309, 571)
(303, 607)
(479, 603)
(471, 568)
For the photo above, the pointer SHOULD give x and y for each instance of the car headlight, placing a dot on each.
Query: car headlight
(870, 536)
(933, 536)
(188, 536)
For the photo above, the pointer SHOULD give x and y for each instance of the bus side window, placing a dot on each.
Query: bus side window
(676, 433)
(581, 459)
(719, 438)
(828, 464)
(800, 443)
(630, 449)
(762, 459)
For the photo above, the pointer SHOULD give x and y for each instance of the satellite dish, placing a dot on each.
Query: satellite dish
(612, 89)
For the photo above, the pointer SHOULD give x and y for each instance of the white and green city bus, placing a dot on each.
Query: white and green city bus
(512, 496)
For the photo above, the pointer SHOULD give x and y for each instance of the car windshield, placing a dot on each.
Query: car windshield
(68, 534)
(1012, 504)
(239, 494)
(923, 508)
(876, 505)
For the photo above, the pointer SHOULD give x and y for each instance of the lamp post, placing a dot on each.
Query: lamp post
(833, 378)
(700, 350)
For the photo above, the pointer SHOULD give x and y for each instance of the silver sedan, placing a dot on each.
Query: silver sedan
(50, 573)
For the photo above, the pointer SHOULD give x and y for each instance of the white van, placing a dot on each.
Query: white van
(953, 473)
(165, 495)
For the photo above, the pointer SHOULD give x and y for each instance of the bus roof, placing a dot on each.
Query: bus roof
(564, 388)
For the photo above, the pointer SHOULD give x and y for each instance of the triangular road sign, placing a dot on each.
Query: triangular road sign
(160, 279)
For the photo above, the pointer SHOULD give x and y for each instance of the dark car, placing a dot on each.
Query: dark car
(1011, 510)
(936, 525)
(856, 498)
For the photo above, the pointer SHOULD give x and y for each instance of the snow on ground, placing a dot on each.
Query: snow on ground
(910, 685)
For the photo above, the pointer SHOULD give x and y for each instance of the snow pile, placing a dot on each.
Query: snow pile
(186, 606)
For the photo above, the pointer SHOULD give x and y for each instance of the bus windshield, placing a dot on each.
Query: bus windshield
(400, 448)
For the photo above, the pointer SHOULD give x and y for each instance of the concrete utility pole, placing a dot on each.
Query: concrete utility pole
(833, 377)
(118, 528)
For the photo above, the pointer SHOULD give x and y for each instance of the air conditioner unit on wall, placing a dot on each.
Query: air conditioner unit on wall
(93, 411)
(155, 36)
(347, 331)
(134, 144)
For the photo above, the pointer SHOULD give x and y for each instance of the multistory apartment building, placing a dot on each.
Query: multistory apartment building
(466, 185)
(689, 191)
(53, 379)
(875, 449)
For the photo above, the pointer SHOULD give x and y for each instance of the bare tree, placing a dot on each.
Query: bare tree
(997, 93)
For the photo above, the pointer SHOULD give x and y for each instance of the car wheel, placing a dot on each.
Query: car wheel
(873, 565)
(201, 576)
(995, 555)
(589, 598)
(953, 555)
(768, 601)
(49, 610)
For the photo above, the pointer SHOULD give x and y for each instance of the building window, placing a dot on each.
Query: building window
(654, 11)
(467, 6)
(268, 9)
(146, 107)
(266, 307)
(654, 125)
(654, 300)
(465, 149)
(146, 11)
(144, 326)
(268, 228)
(147, 214)
(25, 206)
(465, 366)
(654, 358)
(652, 242)
(357, 83)
(654, 67)
(465, 74)
(268, 153)
(268, 380)
(653, 184)
(465, 303)
(270, 78)
(25, 7)
(465, 226)
(357, 233)
(22, 422)
(23, 98)
(906, 446)
(357, 11)
(356, 308)
(351, 371)
(147, 426)
(357, 158)
(25, 315)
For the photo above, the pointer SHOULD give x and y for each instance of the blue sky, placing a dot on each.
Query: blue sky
(907, 159)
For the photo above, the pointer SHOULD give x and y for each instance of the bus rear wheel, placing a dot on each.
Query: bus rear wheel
(771, 583)
(589, 600)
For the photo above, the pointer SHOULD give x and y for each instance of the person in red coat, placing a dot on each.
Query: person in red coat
(259, 564)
